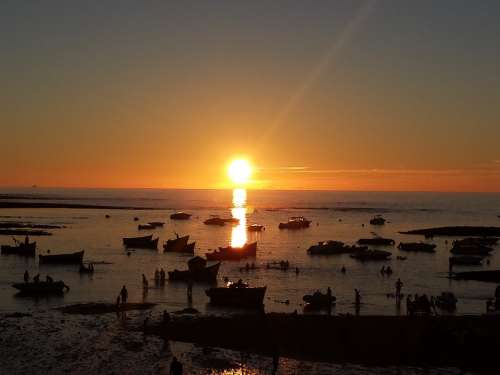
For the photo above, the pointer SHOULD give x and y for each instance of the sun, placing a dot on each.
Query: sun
(239, 171)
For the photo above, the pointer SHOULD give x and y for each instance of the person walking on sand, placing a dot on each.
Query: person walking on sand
(145, 284)
(176, 367)
(399, 285)
(124, 295)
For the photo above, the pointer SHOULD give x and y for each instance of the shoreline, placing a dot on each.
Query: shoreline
(75, 205)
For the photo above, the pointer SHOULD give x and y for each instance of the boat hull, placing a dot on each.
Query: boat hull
(238, 297)
(22, 249)
(207, 274)
(145, 242)
(234, 253)
(73, 258)
(56, 287)
(177, 245)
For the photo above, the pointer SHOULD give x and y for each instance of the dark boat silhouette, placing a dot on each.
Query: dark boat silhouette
(376, 241)
(42, 287)
(180, 216)
(492, 276)
(69, 258)
(471, 250)
(319, 300)
(215, 220)
(197, 271)
(333, 248)
(417, 247)
(297, 222)
(367, 255)
(178, 245)
(377, 220)
(157, 224)
(255, 228)
(238, 295)
(146, 242)
(145, 227)
(234, 253)
(25, 248)
(466, 260)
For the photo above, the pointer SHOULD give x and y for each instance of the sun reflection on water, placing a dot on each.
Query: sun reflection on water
(239, 211)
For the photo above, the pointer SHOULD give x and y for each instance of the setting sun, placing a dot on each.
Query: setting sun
(239, 171)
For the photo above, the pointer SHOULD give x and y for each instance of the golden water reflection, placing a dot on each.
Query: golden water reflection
(239, 211)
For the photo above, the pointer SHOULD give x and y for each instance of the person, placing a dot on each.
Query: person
(247, 267)
(145, 284)
(166, 317)
(36, 279)
(343, 270)
(357, 297)
(399, 285)
(26, 276)
(157, 276)
(176, 367)
(26, 241)
(124, 294)
(49, 279)
(276, 362)
(409, 305)
(382, 270)
(190, 291)
(162, 276)
(388, 270)
(297, 270)
(118, 301)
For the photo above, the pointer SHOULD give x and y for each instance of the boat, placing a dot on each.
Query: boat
(297, 222)
(146, 242)
(145, 227)
(157, 224)
(68, 258)
(319, 300)
(233, 253)
(417, 247)
(486, 276)
(180, 216)
(471, 250)
(333, 248)
(466, 260)
(255, 228)
(446, 301)
(25, 248)
(41, 287)
(371, 255)
(197, 271)
(376, 241)
(215, 221)
(177, 245)
(377, 220)
(485, 241)
(238, 295)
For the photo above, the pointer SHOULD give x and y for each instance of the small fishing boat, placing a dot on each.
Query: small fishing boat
(180, 216)
(157, 224)
(319, 300)
(485, 241)
(446, 301)
(377, 220)
(466, 260)
(376, 241)
(471, 250)
(296, 222)
(68, 258)
(25, 248)
(233, 253)
(197, 271)
(146, 242)
(145, 227)
(41, 287)
(417, 247)
(333, 248)
(492, 276)
(375, 255)
(238, 295)
(255, 228)
(215, 221)
(176, 245)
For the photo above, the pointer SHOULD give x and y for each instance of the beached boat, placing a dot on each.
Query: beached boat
(157, 224)
(146, 242)
(484, 241)
(197, 271)
(25, 248)
(471, 250)
(234, 253)
(236, 294)
(367, 255)
(492, 276)
(177, 245)
(297, 222)
(376, 241)
(446, 301)
(41, 287)
(145, 227)
(377, 220)
(333, 248)
(466, 260)
(417, 247)
(319, 300)
(68, 258)
(180, 216)
(255, 228)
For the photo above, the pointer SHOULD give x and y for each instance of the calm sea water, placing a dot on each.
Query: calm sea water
(335, 215)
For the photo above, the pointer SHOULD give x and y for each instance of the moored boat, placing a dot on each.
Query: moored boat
(156, 224)
(42, 287)
(255, 228)
(68, 258)
(146, 242)
(471, 250)
(25, 248)
(377, 220)
(485, 241)
(333, 248)
(492, 276)
(297, 222)
(319, 300)
(197, 271)
(180, 216)
(238, 295)
(376, 241)
(177, 245)
(367, 255)
(466, 260)
(417, 247)
(215, 221)
(145, 227)
(234, 253)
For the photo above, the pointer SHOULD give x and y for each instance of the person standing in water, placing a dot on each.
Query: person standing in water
(124, 295)
(399, 285)
(26, 276)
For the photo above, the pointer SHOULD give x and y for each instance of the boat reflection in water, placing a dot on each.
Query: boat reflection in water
(239, 211)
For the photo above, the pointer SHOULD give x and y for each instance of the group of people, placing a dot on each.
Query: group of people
(122, 297)
(36, 278)
(420, 304)
(159, 277)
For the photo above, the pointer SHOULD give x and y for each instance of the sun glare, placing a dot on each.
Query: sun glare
(239, 171)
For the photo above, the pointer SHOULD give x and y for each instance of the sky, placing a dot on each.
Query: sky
(337, 95)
